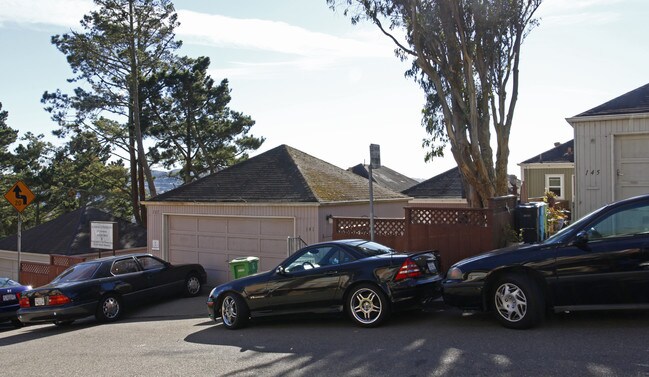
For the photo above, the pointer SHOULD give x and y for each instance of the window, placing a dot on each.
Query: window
(150, 263)
(80, 272)
(554, 183)
(319, 257)
(124, 266)
(624, 223)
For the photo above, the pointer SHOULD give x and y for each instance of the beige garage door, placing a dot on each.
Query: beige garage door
(213, 241)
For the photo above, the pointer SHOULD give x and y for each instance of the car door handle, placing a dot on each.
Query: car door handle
(331, 273)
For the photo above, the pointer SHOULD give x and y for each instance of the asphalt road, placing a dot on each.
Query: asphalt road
(175, 338)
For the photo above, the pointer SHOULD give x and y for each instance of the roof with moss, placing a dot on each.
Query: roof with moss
(282, 174)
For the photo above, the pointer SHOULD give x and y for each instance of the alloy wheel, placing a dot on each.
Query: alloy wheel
(366, 306)
(229, 311)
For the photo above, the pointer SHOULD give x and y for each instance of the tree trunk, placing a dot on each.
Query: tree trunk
(135, 104)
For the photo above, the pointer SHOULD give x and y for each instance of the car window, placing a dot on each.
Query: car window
(627, 221)
(310, 258)
(124, 266)
(339, 256)
(6, 282)
(80, 272)
(370, 249)
(150, 263)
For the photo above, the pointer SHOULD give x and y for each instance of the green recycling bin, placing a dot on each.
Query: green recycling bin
(241, 267)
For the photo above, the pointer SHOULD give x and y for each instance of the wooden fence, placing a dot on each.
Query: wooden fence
(457, 233)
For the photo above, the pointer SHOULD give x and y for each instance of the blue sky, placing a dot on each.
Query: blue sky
(313, 81)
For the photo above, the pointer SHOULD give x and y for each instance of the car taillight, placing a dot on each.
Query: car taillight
(58, 300)
(24, 302)
(409, 269)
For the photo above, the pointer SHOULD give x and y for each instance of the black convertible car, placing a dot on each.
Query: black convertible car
(599, 262)
(365, 279)
(104, 287)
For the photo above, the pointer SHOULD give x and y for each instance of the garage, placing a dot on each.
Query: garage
(253, 207)
(213, 241)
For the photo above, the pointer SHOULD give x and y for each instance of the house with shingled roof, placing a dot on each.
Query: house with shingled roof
(254, 207)
(553, 170)
(385, 177)
(611, 153)
(445, 189)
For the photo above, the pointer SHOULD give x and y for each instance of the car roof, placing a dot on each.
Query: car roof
(115, 257)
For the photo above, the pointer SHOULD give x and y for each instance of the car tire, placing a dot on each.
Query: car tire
(367, 305)
(517, 302)
(16, 323)
(234, 311)
(109, 308)
(193, 286)
(64, 323)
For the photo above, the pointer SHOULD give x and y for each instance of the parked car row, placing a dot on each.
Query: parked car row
(599, 262)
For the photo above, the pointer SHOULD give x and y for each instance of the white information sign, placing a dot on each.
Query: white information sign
(103, 235)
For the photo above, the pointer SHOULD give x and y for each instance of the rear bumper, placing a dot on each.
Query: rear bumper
(464, 295)
(415, 292)
(56, 313)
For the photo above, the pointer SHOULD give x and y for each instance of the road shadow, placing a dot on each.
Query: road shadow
(432, 342)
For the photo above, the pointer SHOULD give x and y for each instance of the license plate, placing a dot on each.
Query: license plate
(9, 297)
(432, 267)
(39, 301)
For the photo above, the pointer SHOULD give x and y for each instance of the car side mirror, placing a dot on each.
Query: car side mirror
(581, 238)
(280, 270)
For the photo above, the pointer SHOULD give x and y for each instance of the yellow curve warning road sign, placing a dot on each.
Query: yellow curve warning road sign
(20, 196)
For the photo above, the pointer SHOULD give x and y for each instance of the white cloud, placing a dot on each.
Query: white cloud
(32, 13)
(270, 36)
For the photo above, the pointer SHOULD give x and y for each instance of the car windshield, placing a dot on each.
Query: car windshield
(371, 249)
(79, 272)
(6, 282)
(566, 233)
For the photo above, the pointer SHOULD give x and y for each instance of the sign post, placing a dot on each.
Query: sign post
(19, 196)
(375, 163)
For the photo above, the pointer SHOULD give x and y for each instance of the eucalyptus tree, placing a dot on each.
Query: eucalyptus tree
(121, 44)
(465, 55)
(187, 113)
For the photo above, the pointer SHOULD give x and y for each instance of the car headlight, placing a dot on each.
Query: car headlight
(454, 273)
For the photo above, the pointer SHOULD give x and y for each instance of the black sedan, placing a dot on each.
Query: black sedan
(10, 292)
(599, 262)
(365, 279)
(104, 287)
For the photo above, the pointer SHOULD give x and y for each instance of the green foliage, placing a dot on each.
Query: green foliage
(465, 56)
(63, 179)
(188, 114)
(123, 43)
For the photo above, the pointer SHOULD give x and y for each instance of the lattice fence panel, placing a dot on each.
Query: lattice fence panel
(35, 268)
(396, 227)
(354, 226)
(65, 261)
(448, 216)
